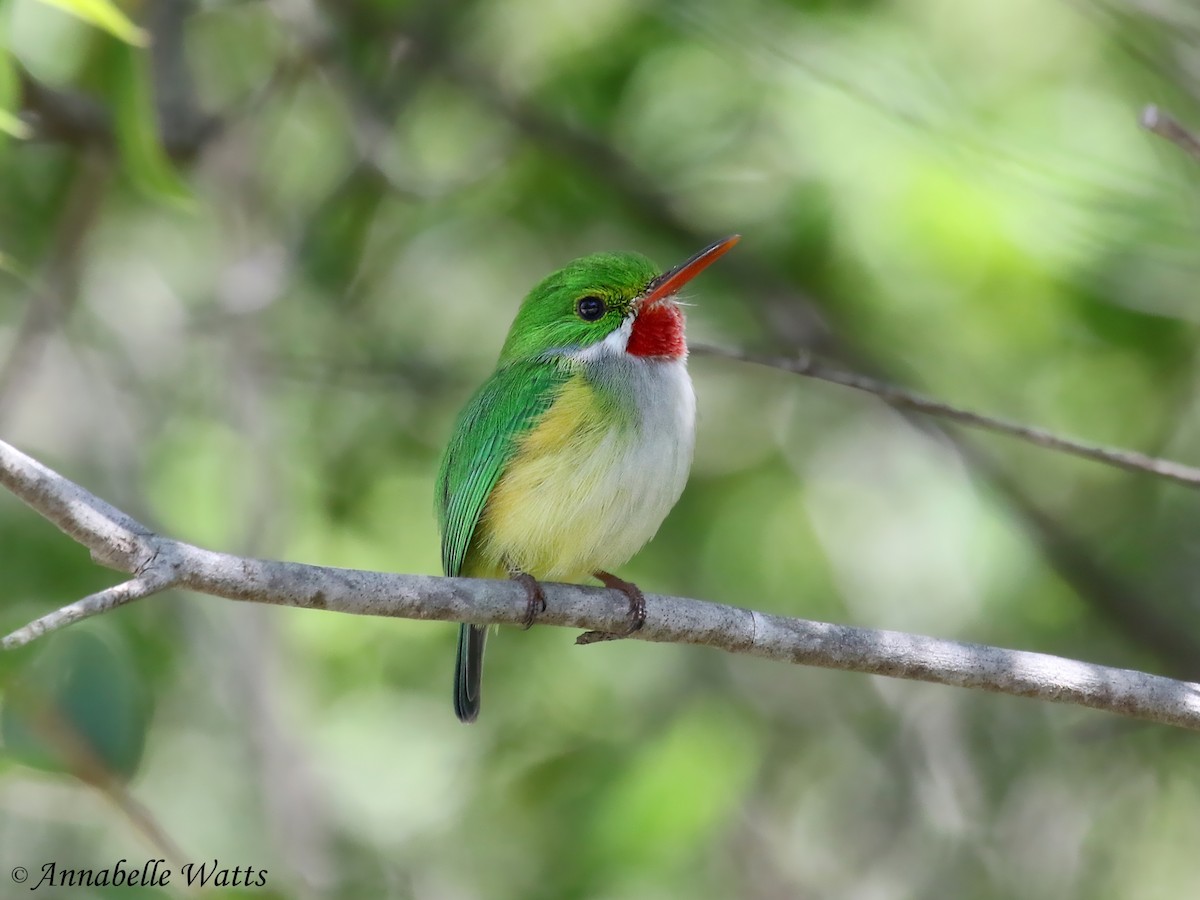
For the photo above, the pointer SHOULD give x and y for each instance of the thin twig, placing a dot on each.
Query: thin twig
(670, 619)
(1166, 126)
(809, 367)
(56, 730)
(92, 605)
(79, 120)
(53, 294)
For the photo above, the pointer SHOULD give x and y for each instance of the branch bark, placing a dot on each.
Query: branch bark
(1165, 125)
(806, 365)
(158, 562)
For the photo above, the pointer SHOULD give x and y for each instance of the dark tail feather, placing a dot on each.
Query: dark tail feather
(468, 671)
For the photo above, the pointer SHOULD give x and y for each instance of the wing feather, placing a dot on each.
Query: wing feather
(485, 438)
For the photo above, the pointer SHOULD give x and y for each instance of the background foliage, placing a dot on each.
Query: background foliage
(253, 256)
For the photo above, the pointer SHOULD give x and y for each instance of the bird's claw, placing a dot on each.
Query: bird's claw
(535, 597)
(637, 610)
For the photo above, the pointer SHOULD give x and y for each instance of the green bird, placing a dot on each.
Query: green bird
(568, 458)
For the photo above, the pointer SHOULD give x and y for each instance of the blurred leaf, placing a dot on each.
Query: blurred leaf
(129, 90)
(13, 126)
(9, 90)
(333, 247)
(9, 266)
(105, 15)
(680, 788)
(78, 706)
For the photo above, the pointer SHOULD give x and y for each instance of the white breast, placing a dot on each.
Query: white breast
(649, 465)
(594, 480)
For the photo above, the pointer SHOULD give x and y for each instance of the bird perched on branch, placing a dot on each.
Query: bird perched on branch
(568, 458)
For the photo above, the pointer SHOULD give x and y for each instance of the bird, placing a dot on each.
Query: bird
(567, 459)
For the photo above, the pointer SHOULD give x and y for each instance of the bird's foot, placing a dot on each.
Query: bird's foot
(535, 597)
(637, 610)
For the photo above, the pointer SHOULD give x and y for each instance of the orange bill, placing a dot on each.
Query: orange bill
(669, 283)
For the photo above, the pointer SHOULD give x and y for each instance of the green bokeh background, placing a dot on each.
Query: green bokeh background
(250, 318)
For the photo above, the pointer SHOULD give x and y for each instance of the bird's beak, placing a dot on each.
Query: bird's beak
(668, 283)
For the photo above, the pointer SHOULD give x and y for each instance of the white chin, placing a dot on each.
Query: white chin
(613, 345)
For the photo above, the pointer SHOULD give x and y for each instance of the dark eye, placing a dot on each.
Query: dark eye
(590, 308)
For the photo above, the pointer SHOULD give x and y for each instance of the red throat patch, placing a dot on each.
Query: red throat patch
(658, 331)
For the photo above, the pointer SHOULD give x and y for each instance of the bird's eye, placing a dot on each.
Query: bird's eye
(590, 308)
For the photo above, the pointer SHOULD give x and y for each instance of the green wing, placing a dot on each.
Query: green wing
(485, 438)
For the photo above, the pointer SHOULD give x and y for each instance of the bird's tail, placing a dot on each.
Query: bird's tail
(468, 671)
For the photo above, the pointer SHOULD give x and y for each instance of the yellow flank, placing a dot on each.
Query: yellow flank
(532, 516)
(590, 484)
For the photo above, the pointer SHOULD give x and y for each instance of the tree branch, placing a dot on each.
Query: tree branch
(159, 562)
(93, 604)
(115, 539)
(1166, 126)
(72, 117)
(804, 364)
(54, 293)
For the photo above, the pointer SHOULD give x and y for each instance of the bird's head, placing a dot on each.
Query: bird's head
(607, 303)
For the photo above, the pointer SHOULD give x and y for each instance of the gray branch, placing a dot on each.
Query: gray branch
(157, 563)
(807, 365)
(1167, 126)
